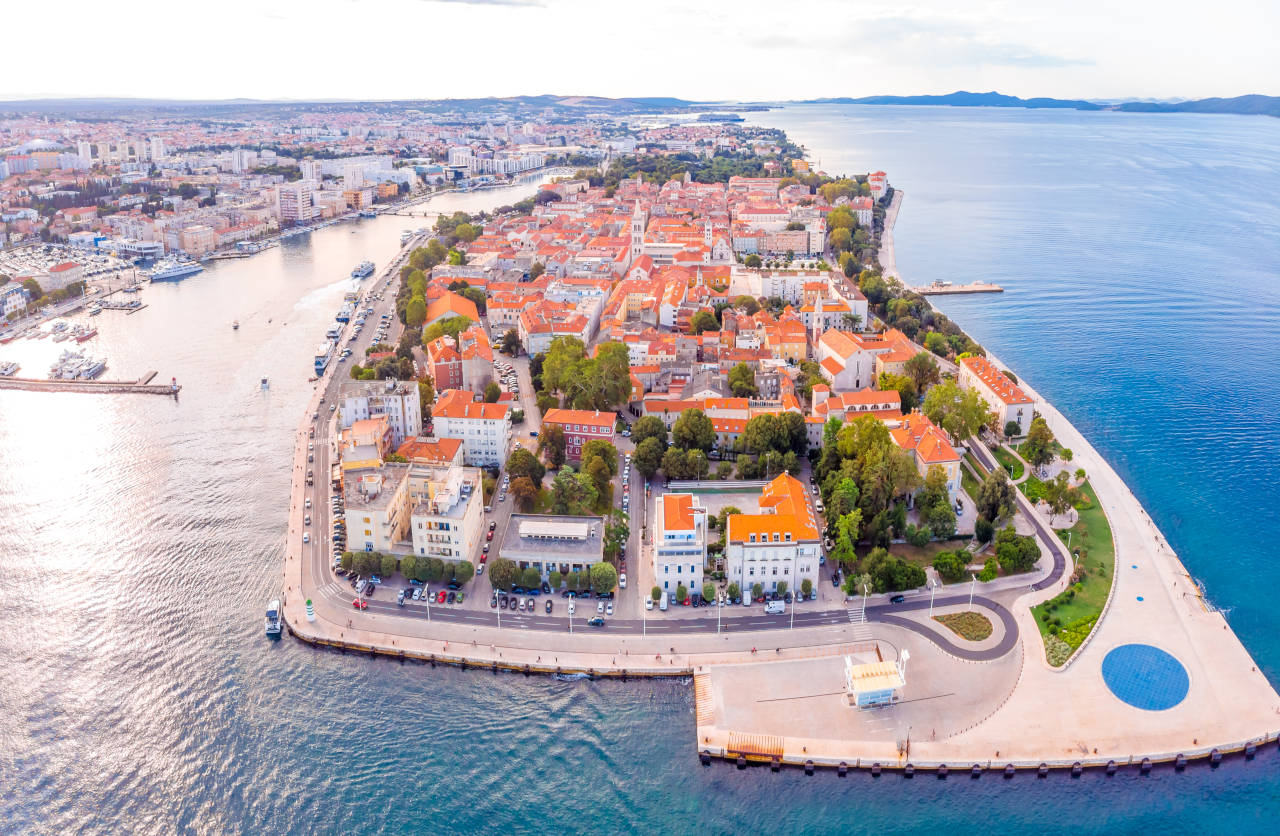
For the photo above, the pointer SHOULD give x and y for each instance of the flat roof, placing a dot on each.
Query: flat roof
(872, 676)
(550, 537)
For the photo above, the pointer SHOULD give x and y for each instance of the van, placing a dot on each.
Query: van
(662, 603)
(775, 608)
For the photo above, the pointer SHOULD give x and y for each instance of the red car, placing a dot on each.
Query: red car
(489, 535)
(360, 603)
(484, 557)
(440, 597)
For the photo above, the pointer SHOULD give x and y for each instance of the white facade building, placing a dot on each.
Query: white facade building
(395, 399)
(679, 542)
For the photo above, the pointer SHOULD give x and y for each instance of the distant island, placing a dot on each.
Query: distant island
(1245, 105)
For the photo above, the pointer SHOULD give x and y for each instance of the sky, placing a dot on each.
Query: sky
(696, 49)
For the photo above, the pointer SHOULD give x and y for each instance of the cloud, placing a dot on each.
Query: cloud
(947, 42)
(490, 2)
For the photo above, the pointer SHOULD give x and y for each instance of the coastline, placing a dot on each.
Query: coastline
(1018, 731)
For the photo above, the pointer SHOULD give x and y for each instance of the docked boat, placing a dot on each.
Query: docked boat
(323, 355)
(334, 332)
(94, 309)
(9, 369)
(344, 315)
(83, 334)
(275, 622)
(406, 237)
(59, 337)
(361, 270)
(172, 270)
(368, 213)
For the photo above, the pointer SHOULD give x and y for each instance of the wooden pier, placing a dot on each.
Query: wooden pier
(938, 289)
(141, 386)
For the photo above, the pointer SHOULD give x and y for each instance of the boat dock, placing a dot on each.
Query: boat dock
(130, 307)
(142, 385)
(948, 289)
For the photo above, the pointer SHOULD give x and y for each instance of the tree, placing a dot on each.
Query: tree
(983, 530)
(476, 295)
(530, 578)
(747, 304)
(464, 571)
(934, 489)
(961, 412)
(524, 463)
(733, 592)
(1016, 553)
(597, 471)
(674, 464)
(426, 394)
(599, 448)
(1038, 448)
(781, 588)
(648, 456)
(742, 380)
(682, 593)
(536, 270)
(348, 561)
(693, 429)
(950, 565)
(922, 369)
(941, 518)
(761, 435)
(937, 343)
(1012, 429)
(551, 444)
(757, 591)
(752, 261)
(389, 565)
(511, 342)
(492, 392)
(503, 573)
(1060, 494)
(574, 581)
(708, 591)
(840, 240)
(555, 578)
(409, 566)
(415, 313)
(656, 593)
(703, 321)
(650, 426)
(616, 533)
(524, 492)
(996, 496)
(604, 578)
(917, 535)
(903, 385)
(806, 587)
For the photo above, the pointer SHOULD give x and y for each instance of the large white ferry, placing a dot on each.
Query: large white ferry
(172, 270)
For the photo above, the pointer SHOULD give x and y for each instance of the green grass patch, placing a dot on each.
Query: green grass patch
(923, 555)
(969, 484)
(1067, 619)
(971, 626)
(1011, 463)
(1033, 488)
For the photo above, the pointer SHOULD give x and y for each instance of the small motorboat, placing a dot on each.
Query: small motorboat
(275, 623)
(235, 326)
(265, 385)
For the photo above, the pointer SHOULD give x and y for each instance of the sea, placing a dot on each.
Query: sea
(140, 536)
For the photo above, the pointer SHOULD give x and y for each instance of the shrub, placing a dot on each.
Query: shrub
(983, 530)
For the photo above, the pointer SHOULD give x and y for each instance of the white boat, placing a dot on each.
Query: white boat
(94, 309)
(265, 384)
(171, 270)
(275, 623)
(235, 326)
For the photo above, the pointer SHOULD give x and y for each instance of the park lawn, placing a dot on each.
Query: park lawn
(972, 626)
(922, 556)
(1076, 614)
(969, 484)
(1032, 488)
(1011, 463)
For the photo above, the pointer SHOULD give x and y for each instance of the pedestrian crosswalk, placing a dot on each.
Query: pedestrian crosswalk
(861, 630)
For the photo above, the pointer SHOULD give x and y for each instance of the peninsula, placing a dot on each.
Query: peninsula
(677, 415)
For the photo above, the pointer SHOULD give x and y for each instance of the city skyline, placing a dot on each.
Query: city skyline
(871, 49)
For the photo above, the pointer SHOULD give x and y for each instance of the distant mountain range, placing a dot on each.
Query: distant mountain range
(1248, 105)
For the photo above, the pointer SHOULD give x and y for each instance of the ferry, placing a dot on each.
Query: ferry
(368, 213)
(323, 355)
(172, 270)
(334, 332)
(361, 270)
(406, 237)
(344, 315)
(9, 369)
(275, 624)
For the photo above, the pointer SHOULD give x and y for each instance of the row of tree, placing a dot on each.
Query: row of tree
(413, 567)
(505, 574)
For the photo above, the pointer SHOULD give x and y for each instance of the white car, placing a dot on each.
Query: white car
(609, 608)
(306, 537)
(571, 608)
(648, 603)
(622, 580)
(600, 607)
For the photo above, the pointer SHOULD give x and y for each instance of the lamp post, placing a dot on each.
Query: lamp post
(971, 586)
(933, 591)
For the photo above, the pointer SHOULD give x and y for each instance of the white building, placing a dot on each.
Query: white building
(395, 399)
(780, 544)
(483, 428)
(679, 542)
(295, 202)
(1011, 404)
(446, 518)
(12, 298)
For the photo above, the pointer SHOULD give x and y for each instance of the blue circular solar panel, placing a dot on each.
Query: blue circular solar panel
(1145, 677)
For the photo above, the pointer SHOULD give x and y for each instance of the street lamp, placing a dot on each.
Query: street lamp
(933, 591)
(971, 586)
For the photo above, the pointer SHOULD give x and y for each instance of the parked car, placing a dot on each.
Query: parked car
(622, 580)
(898, 599)
(608, 609)
(600, 607)
(548, 606)
(597, 621)
(571, 608)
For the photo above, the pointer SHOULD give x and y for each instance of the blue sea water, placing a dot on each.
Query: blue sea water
(140, 537)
